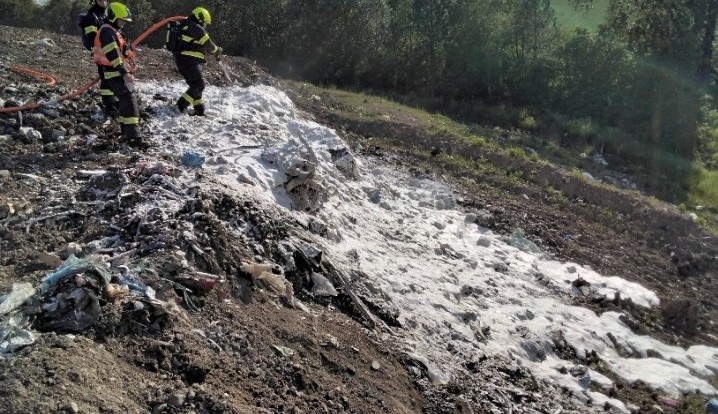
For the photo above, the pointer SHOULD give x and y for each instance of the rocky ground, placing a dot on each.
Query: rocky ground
(237, 343)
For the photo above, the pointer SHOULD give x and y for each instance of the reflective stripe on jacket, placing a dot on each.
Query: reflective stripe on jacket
(91, 23)
(193, 40)
(111, 51)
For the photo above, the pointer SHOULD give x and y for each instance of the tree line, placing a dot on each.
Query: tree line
(640, 87)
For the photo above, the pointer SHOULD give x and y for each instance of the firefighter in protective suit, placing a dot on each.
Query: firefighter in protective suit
(193, 43)
(90, 23)
(115, 56)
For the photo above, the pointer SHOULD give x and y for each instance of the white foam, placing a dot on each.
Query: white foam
(419, 252)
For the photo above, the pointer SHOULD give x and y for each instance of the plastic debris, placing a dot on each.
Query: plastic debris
(71, 311)
(668, 402)
(192, 159)
(114, 292)
(199, 283)
(21, 339)
(518, 240)
(20, 293)
(13, 323)
(712, 406)
(73, 266)
(322, 286)
(311, 255)
(283, 351)
(138, 288)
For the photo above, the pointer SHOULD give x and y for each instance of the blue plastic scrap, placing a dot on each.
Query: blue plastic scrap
(712, 406)
(192, 159)
(73, 266)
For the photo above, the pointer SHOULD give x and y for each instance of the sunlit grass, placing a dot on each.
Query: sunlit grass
(570, 18)
(508, 142)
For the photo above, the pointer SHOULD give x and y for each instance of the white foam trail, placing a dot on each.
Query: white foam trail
(420, 253)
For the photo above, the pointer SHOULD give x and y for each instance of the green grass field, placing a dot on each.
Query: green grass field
(570, 18)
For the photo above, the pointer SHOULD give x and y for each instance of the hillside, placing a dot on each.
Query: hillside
(335, 253)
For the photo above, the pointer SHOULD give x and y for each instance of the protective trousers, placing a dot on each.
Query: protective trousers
(191, 70)
(109, 101)
(129, 110)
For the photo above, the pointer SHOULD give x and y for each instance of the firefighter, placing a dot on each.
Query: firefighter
(90, 23)
(193, 42)
(115, 55)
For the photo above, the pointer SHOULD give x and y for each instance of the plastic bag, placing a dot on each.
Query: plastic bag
(20, 293)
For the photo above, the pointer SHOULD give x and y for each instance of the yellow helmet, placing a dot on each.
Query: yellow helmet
(117, 11)
(202, 15)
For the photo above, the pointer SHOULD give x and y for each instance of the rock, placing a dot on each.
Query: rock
(51, 113)
(35, 116)
(177, 263)
(71, 249)
(534, 350)
(177, 398)
(375, 365)
(30, 134)
(72, 408)
(6, 210)
(587, 176)
(4, 174)
(484, 218)
(321, 286)
(57, 135)
(317, 226)
(50, 260)
(526, 315)
(681, 314)
(159, 408)
(483, 241)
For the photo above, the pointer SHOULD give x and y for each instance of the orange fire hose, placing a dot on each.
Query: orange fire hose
(89, 85)
(50, 80)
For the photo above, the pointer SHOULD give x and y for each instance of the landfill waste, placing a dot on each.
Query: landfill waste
(712, 406)
(283, 351)
(71, 310)
(73, 266)
(204, 284)
(138, 287)
(518, 239)
(192, 159)
(20, 293)
(322, 286)
(13, 322)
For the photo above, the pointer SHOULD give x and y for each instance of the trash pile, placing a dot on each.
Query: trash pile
(196, 238)
(71, 299)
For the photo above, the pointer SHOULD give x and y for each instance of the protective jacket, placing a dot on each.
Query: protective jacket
(90, 24)
(194, 40)
(112, 52)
